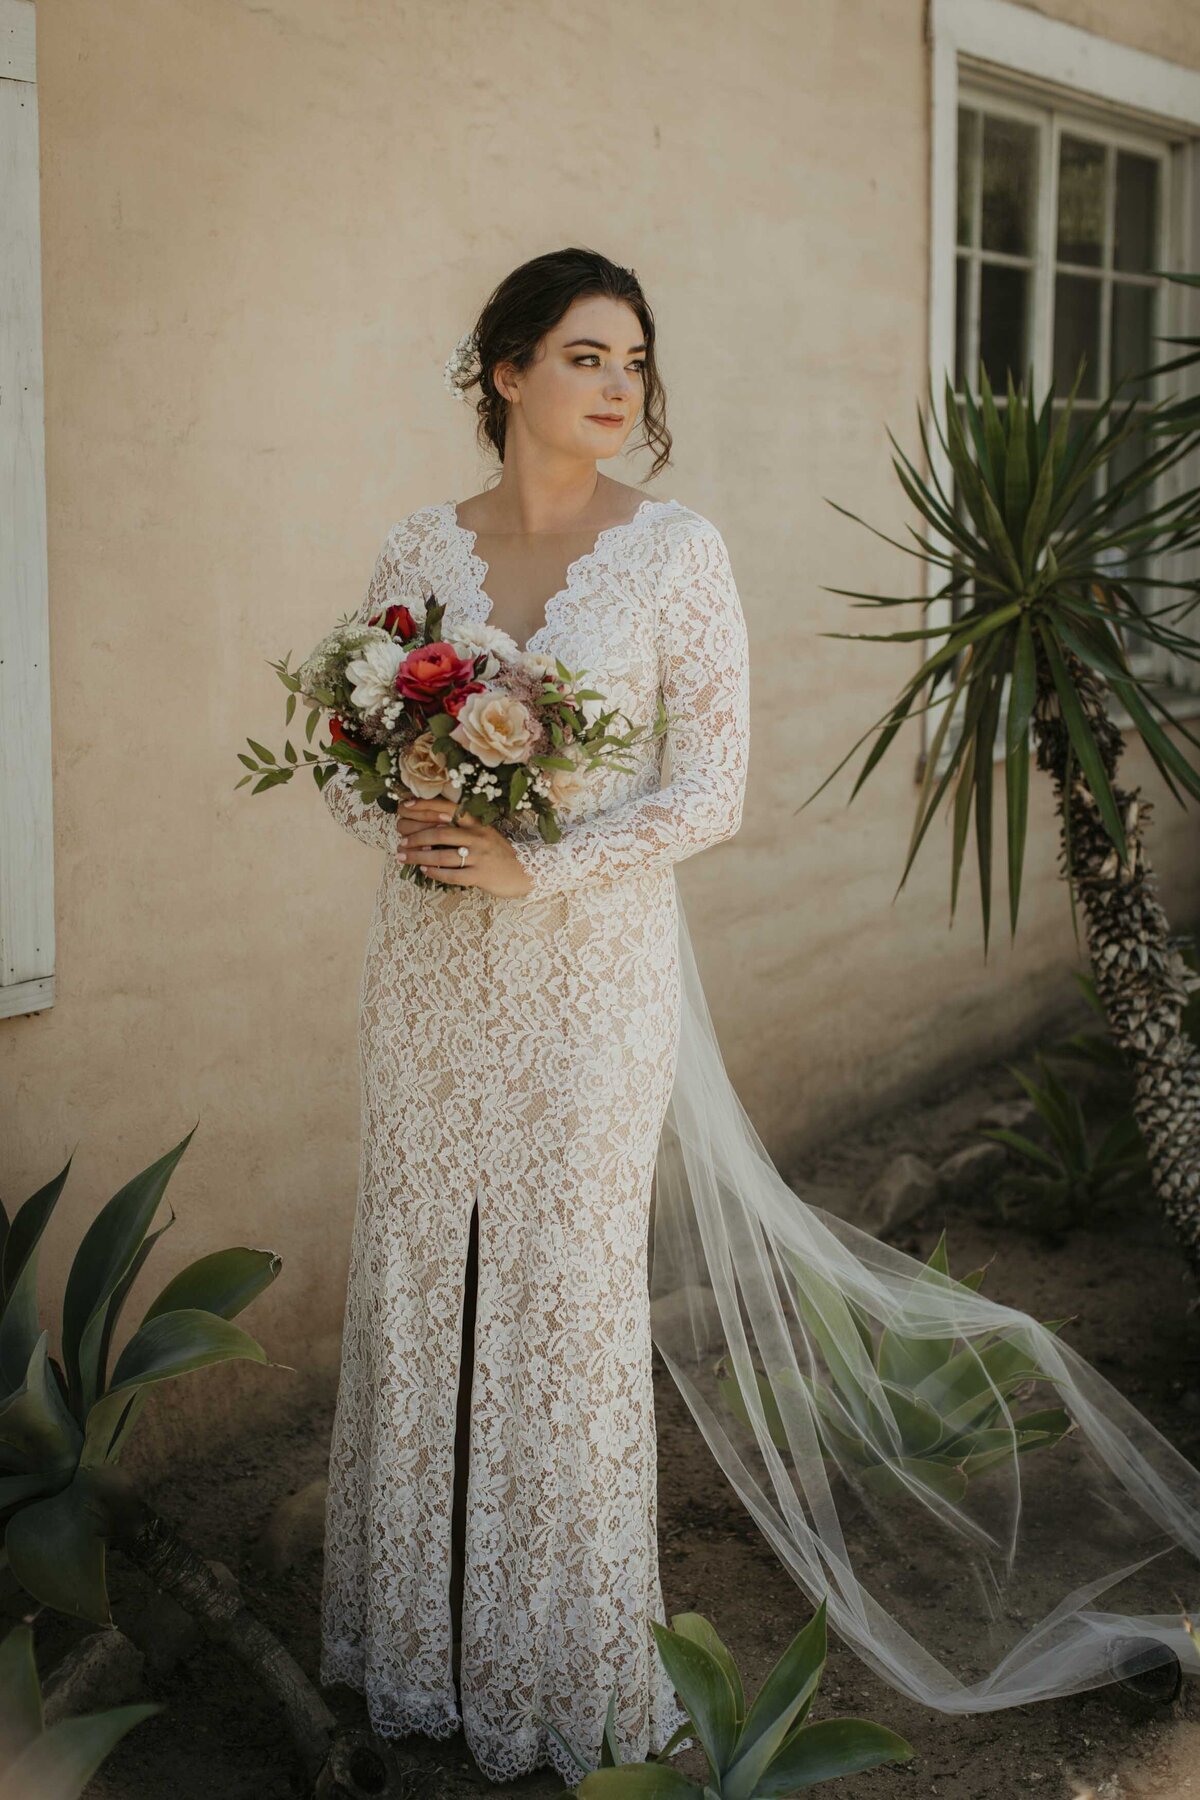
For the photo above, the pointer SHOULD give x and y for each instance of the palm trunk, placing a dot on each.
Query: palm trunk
(1140, 977)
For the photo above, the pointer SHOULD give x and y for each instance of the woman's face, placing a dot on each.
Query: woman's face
(588, 365)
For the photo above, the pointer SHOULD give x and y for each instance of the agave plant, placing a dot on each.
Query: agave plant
(1071, 1179)
(1042, 562)
(939, 1406)
(62, 1425)
(58, 1761)
(63, 1498)
(753, 1753)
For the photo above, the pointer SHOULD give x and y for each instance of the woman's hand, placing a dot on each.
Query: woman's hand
(430, 840)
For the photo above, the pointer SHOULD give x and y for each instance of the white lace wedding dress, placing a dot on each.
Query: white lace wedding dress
(518, 1055)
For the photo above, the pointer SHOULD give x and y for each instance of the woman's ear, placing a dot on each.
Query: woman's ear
(503, 381)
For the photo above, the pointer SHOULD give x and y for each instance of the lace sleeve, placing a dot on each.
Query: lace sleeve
(704, 676)
(368, 822)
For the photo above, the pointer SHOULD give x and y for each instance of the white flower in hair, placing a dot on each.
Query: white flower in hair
(462, 365)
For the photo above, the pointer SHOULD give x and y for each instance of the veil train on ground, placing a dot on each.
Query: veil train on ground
(906, 1444)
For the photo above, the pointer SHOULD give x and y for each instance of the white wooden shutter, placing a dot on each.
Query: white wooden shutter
(26, 821)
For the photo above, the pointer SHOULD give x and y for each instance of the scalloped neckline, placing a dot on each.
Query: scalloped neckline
(478, 566)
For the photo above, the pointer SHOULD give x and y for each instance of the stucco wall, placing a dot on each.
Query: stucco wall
(263, 229)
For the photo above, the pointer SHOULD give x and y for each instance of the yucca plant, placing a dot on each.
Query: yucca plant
(939, 1406)
(1071, 1179)
(756, 1752)
(1094, 1048)
(1039, 561)
(56, 1762)
(1097, 1048)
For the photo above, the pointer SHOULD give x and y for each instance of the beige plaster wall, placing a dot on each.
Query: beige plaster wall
(264, 226)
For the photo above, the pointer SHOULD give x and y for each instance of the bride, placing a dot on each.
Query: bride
(534, 1050)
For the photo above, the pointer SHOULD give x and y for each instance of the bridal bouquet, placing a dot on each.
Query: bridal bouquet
(468, 717)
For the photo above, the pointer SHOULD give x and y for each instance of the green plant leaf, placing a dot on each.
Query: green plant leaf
(701, 1631)
(830, 1748)
(19, 1327)
(171, 1344)
(984, 764)
(704, 1691)
(1023, 1146)
(56, 1549)
(1084, 743)
(785, 1696)
(104, 1254)
(1016, 472)
(884, 1478)
(38, 1432)
(1021, 697)
(21, 1714)
(919, 1424)
(61, 1762)
(224, 1282)
(116, 1299)
(637, 1781)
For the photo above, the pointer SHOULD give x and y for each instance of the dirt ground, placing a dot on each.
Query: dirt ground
(1124, 1280)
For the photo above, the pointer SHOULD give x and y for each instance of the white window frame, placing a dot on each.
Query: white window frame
(1010, 50)
(26, 797)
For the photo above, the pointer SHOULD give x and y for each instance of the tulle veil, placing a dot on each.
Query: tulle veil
(878, 1416)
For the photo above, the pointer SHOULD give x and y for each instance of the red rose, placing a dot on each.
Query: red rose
(398, 620)
(433, 671)
(338, 732)
(453, 703)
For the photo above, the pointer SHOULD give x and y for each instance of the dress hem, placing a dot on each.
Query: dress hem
(434, 1716)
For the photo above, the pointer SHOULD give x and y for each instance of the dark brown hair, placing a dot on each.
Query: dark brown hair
(528, 303)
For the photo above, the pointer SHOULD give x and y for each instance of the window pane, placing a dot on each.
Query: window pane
(1135, 224)
(1009, 185)
(962, 290)
(1080, 201)
(968, 171)
(1003, 322)
(1076, 333)
(1132, 347)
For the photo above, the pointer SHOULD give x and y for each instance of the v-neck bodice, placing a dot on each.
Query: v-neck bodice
(650, 613)
(477, 566)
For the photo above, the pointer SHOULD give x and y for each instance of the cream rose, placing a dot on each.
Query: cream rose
(425, 772)
(497, 728)
(565, 785)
